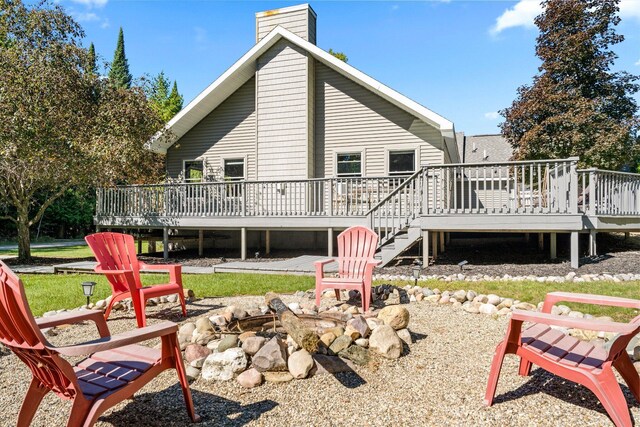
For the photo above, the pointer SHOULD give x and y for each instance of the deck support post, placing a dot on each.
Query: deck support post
(200, 242)
(165, 243)
(425, 248)
(593, 250)
(243, 243)
(447, 237)
(553, 246)
(626, 235)
(442, 241)
(330, 242)
(434, 244)
(139, 244)
(267, 242)
(541, 241)
(575, 254)
(152, 246)
(527, 237)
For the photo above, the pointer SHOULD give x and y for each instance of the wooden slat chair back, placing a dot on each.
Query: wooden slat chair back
(117, 260)
(570, 358)
(356, 249)
(116, 366)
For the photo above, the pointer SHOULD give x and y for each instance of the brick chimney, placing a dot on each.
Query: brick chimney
(299, 19)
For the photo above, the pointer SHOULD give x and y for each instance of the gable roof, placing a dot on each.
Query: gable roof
(484, 148)
(245, 68)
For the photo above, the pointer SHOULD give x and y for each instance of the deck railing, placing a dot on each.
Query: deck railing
(521, 187)
(313, 197)
(609, 193)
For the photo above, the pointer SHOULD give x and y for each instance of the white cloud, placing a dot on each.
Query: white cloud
(105, 23)
(395, 7)
(520, 15)
(630, 9)
(492, 115)
(637, 63)
(91, 3)
(85, 16)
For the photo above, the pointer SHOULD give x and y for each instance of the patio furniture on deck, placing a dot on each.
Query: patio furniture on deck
(116, 255)
(570, 358)
(356, 248)
(116, 366)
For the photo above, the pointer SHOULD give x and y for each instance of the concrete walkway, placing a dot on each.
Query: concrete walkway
(300, 265)
(58, 244)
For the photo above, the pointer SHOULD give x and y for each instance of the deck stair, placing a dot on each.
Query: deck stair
(396, 219)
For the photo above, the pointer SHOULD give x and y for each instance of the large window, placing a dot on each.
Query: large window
(234, 169)
(349, 164)
(402, 162)
(193, 170)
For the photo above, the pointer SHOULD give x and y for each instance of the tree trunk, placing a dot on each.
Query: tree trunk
(24, 238)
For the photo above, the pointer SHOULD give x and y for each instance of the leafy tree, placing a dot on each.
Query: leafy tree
(92, 66)
(119, 73)
(61, 126)
(166, 104)
(341, 56)
(576, 105)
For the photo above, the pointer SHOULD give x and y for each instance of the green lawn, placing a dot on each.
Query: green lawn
(51, 292)
(70, 252)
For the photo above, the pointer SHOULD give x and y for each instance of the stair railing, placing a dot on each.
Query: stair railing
(396, 211)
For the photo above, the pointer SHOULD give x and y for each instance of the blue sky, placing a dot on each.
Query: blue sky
(462, 59)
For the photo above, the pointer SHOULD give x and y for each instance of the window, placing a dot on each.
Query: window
(402, 162)
(234, 169)
(349, 164)
(193, 170)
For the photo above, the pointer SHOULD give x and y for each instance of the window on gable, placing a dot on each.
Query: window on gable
(234, 169)
(402, 162)
(193, 170)
(349, 164)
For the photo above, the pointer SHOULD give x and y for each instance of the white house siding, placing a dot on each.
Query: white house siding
(349, 118)
(283, 122)
(229, 131)
(300, 22)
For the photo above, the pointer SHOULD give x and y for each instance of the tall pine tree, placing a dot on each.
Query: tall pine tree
(576, 105)
(175, 101)
(92, 66)
(119, 75)
(166, 104)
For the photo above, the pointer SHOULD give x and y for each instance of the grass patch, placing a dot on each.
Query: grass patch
(534, 292)
(70, 252)
(47, 292)
(53, 292)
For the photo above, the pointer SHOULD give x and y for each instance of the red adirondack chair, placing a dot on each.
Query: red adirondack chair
(570, 358)
(116, 256)
(356, 248)
(116, 366)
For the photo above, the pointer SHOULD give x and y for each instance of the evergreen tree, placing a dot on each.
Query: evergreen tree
(175, 101)
(119, 73)
(92, 67)
(576, 105)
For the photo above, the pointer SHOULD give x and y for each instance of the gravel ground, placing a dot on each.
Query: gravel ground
(440, 381)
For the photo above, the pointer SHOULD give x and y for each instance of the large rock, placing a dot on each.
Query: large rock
(222, 366)
(252, 345)
(192, 372)
(327, 338)
(339, 344)
(351, 332)
(488, 309)
(277, 377)
(405, 336)
(300, 363)
(493, 299)
(250, 378)
(359, 355)
(194, 352)
(271, 357)
(227, 342)
(385, 341)
(204, 331)
(395, 316)
(359, 323)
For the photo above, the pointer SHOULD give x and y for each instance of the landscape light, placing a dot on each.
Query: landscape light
(461, 264)
(87, 290)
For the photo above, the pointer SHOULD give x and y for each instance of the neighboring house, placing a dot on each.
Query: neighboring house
(289, 110)
(291, 145)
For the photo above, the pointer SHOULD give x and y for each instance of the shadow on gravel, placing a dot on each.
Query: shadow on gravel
(172, 313)
(166, 408)
(542, 381)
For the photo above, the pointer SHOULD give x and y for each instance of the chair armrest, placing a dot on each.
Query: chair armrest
(111, 272)
(554, 297)
(75, 317)
(175, 270)
(320, 267)
(130, 337)
(570, 322)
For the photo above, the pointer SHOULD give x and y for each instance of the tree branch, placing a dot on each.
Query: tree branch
(10, 218)
(46, 204)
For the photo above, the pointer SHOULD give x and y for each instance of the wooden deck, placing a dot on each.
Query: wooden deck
(546, 196)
